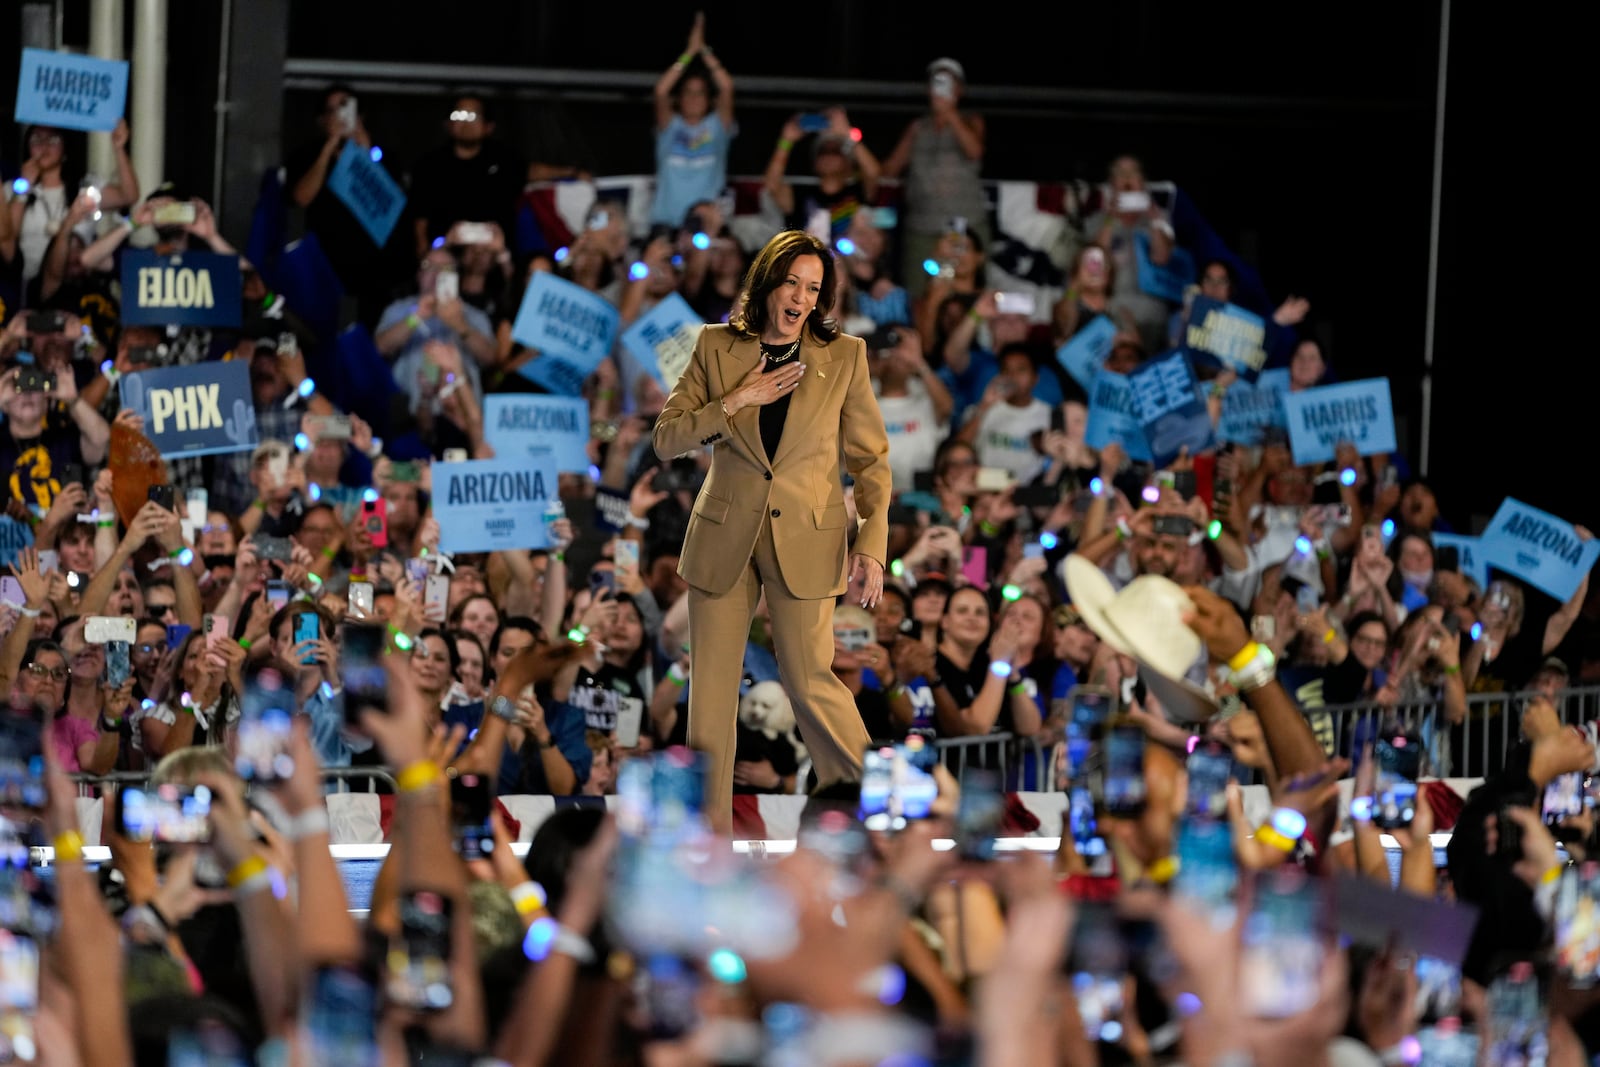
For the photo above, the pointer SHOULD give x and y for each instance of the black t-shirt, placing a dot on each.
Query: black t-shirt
(345, 241)
(446, 189)
(874, 709)
(32, 466)
(753, 746)
(607, 695)
(841, 207)
(964, 685)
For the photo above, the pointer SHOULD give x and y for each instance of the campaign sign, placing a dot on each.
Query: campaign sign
(532, 424)
(14, 537)
(1470, 551)
(1248, 411)
(1112, 417)
(182, 289)
(71, 92)
(663, 338)
(196, 410)
(1169, 406)
(1357, 412)
(371, 194)
(1226, 335)
(1537, 547)
(489, 505)
(571, 328)
(1167, 280)
(1085, 351)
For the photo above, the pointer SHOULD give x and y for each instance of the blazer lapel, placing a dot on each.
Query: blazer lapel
(810, 397)
(740, 359)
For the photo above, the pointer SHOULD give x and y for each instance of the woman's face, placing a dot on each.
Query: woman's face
(790, 303)
(470, 672)
(126, 596)
(216, 536)
(45, 680)
(1214, 283)
(694, 98)
(46, 148)
(1416, 557)
(146, 653)
(966, 617)
(1306, 367)
(194, 661)
(480, 619)
(1092, 270)
(1074, 419)
(430, 664)
(1369, 643)
(887, 616)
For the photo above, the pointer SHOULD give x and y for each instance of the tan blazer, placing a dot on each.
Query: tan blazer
(832, 409)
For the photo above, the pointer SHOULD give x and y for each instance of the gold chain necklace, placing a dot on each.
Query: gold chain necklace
(787, 356)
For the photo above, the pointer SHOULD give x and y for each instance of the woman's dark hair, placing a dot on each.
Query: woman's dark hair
(453, 636)
(1360, 619)
(770, 270)
(941, 457)
(453, 653)
(642, 653)
(557, 841)
(461, 608)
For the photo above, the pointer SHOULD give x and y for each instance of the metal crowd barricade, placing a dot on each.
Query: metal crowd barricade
(343, 775)
(990, 751)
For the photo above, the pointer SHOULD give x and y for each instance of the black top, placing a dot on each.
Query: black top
(446, 189)
(775, 414)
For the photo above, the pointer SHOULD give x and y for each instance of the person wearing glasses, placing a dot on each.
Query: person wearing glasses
(87, 729)
(49, 179)
(42, 684)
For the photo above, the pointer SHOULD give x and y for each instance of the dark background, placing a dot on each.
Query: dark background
(1304, 133)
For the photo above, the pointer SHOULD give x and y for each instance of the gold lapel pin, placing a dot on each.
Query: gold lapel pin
(822, 374)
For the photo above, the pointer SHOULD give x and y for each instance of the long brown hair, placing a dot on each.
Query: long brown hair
(770, 269)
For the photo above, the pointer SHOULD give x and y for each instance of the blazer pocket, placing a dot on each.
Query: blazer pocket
(831, 516)
(711, 508)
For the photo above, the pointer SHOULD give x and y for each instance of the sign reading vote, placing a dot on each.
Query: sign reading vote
(571, 328)
(663, 338)
(72, 92)
(183, 289)
(1469, 551)
(195, 410)
(488, 505)
(1085, 351)
(530, 424)
(1542, 550)
(1113, 418)
(1226, 335)
(1357, 412)
(1250, 411)
(1165, 280)
(363, 186)
(1170, 409)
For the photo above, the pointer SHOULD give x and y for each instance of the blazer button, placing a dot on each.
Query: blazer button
(776, 513)
(767, 475)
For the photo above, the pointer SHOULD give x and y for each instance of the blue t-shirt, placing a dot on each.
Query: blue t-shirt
(691, 166)
(967, 388)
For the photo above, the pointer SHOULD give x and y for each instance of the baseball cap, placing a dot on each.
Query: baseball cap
(951, 66)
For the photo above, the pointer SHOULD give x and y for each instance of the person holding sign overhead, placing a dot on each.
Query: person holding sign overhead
(45, 191)
(779, 394)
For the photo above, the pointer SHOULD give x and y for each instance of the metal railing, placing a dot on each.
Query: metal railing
(342, 775)
(1004, 753)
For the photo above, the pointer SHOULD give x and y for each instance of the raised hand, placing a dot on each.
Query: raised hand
(757, 389)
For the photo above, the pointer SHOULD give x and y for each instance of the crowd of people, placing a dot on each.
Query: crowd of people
(225, 629)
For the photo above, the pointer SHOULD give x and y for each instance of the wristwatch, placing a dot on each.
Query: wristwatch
(503, 707)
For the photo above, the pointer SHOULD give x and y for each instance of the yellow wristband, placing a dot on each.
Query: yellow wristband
(529, 898)
(69, 847)
(1269, 835)
(1552, 874)
(1242, 658)
(1330, 637)
(1163, 870)
(247, 869)
(422, 774)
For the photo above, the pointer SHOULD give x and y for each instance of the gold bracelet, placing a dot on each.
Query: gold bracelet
(422, 774)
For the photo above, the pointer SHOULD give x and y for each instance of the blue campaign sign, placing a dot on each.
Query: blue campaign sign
(1248, 411)
(372, 196)
(663, 339)
(1170, 409)
(1542, 550)
(489, 505)
(1112, 417)
(1085, 351)
(182, 289)
(195, 410)
(571, 328)
(532, 424)
(1470, 552)
(1170, 279)
(1357, 412)
(72, 92)
(14, 537)
(1226, 335)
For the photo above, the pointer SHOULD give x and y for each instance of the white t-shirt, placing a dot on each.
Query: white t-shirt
(40, 221)
(914, 432)
(1005, 436)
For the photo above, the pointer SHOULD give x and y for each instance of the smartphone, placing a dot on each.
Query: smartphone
(1263, 627)
(1280, 966)
(1124, 775)
(474, 233)
(101, 629)
(307, 627)
(347, 115)
(630, 720)
(975, 565)
(1307, 599)
(1207, 873)
(1397, 761)
(1577, 925)
(49, 561)
(993, 480)
(662, 796)
(625, 555)
(1097, 963)
(943, 84)
(1085, 830)
(174, 213)
(980, 815)
(169, 813)
(1091, 708)
(118, 666)
(404, 470)
(599, 220)
(278, 593)
(1015, 303)
(341, 1017)
(436, 595)
(265, 724)
(603, 580)
(1133, 201)
(273, 549)
(29, 379)
(73, 474)
(375, 517)
(359, 602)
(470, 801)
(43, 322)
(177, 634)
(854, 639)
(1517, 1024)
(11, 591)
(897, 784)
(1032, 550)
(446, 286)
(1036, 496)
(331, 428)
(216, 629)
(196, 506)
(1209, 766)
(957, 225)
(78, 581)
(1185, 484)
(19, 992)
(812, 122)
(21, 771)
(885, 218)
(361, 670)
(454, 455)
(419, 956)
(1172, 525)
(164, 495)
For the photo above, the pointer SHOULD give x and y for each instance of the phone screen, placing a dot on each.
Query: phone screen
(166, 813)
(897, 784)
(419, 959)
(980, 814)
(307, 627)
(118, 666)
(1097, 962)
(19, 977)
(341, 1017)
(1210, 766)
(1280, 971)
(1577, 923)
(277, 593)
(1397, 760)
(21, 771)
(265, 723)
(361, 670)
(1518, 1026)
(469, 816)
(1564, 797)
(1124, 779)
(1085, 830)
(1207, 874)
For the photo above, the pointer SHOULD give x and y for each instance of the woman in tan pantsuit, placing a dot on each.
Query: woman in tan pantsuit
(779, 394)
